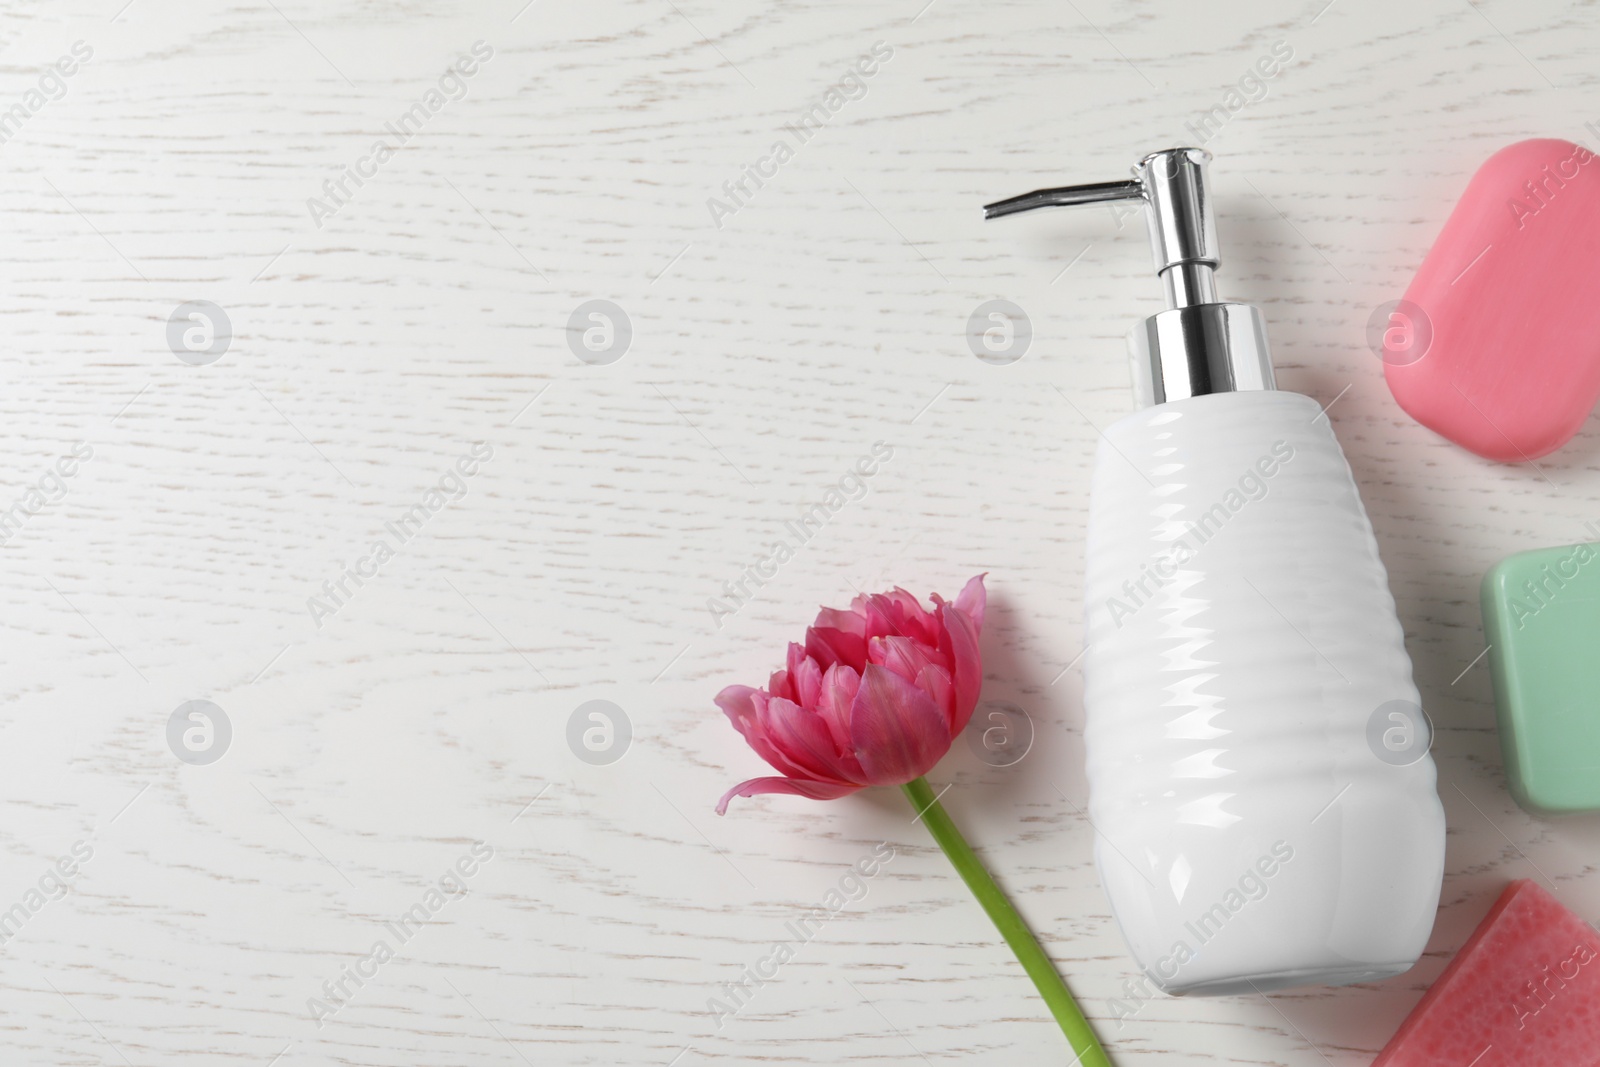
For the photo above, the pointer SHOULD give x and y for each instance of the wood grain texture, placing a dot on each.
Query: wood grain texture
(768, 354)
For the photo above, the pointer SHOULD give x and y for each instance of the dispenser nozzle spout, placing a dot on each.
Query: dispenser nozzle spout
(1067, 196)
(1199, 345)
(1183, 231)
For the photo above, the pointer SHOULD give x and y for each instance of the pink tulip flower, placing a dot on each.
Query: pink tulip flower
(875, 697)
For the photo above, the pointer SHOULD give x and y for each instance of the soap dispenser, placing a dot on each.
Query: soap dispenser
(1264, 806)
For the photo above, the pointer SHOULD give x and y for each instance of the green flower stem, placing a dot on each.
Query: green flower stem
(1033, 959)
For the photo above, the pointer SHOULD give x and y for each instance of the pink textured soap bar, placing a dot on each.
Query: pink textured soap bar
(1497, 343)
(1524, 991)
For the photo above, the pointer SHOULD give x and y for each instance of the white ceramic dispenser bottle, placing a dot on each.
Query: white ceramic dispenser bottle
(1264, 804)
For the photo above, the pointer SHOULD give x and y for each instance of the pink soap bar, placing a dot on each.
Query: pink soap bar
(1524, 991)
(1497, 343)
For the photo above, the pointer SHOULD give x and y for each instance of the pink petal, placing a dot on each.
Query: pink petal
(973, 599)
(804, 740)
(807, 682)
(916, 621)
(796, 657)
(783, 682)
(850, 622)
(738, 703)
(839, 687)
(885, 616)
(960, 643)
(799, 787)
(745, 708)
(908, 603)
(935, 681)
(897, 731)
(829, 646)
(906, 657)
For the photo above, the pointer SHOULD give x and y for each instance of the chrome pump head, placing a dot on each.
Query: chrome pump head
(1198, 345)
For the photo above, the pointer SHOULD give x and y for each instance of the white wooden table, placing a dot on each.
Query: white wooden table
(773, 341)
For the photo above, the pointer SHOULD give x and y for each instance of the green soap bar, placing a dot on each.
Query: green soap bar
(1541, 617)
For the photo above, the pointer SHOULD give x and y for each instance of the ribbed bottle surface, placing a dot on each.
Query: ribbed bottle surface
(1245, 669)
